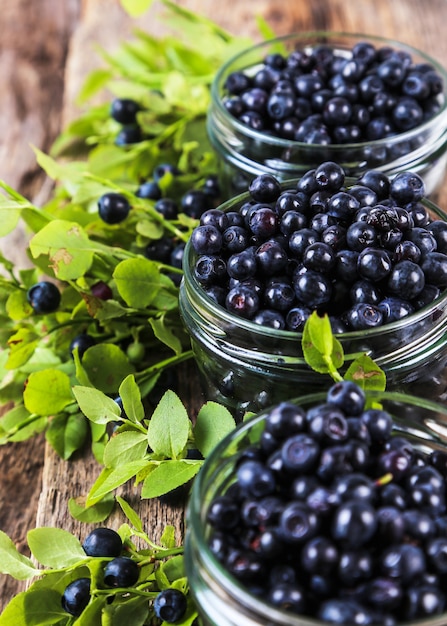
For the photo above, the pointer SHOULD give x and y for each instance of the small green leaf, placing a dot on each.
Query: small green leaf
(131, 398)
(55, 547)
(124, 448)
(47, 392)
(168, 476)
(133, 611)
(169, 426)
(21, 347)
(112, 478)
(92, 514)
(96, 406)
(17, 306)
(320, 333)
(68, 247)
(165, 334)
(322, 362)
(12, 562)
(136, 8)
(213, 423)
(366, 374)
(168, 537)
(67, 433)
(131, 515)
(137, 281)
(106, 366)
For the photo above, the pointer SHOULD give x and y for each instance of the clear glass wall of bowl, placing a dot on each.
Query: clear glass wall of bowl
(244, 153)
(220, 599)
(248, 367)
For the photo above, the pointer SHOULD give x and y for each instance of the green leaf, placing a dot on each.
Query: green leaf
(17, 306)
(34, 608)
(131, 515)
(131, 398)
(10, 211)
(92, 514)
(136, 8)
(318, 355)
(67, 433)
(124, 448)
(55, 547)
(96, 406)
(366, 374)
(12, 562)
(165, 334)
(320, 333)
(213, 423)
(137, 281)
(21, 347)
(93, 83)
(168, 476)
(169, 427)
(106, 366)
(112, 478)
(168, 537)
(132, 612)
(68, 247)
(47, 392)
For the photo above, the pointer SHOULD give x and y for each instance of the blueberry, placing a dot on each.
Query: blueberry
(159, 250)
(269, 318)
(206, 239)
(113, 208)
(362, 316)
(330, 176)
(162, 169)
(434, 266)
(44, 297)
(354, 523)
(149, 190)
(406, 280)
(407, 187)
(81, 343)
(300, 453)
(348, 396)
(271, 258)
(76, 596)
(279, 295)
(128, 135)
(223, 513)
(170, 605)
(288, 597)
(104, 542)
(124, 110)
(194, 203)
(121, 572)
(298, 523)
(255, 479)
(167, 207)
(312, 289)
(209, 269)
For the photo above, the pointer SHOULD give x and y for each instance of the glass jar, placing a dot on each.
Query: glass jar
(245, 153)
(247, 367)
(220, 599)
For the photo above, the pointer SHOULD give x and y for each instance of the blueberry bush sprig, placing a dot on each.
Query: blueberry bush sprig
(112, 577)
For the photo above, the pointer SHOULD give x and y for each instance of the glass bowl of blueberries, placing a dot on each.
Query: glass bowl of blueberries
(369, 252)
(288, 104)
(329, 508)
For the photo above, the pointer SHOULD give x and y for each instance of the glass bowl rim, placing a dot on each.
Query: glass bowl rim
(259, 136)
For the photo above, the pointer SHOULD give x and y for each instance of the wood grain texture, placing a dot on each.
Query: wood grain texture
(47, 49)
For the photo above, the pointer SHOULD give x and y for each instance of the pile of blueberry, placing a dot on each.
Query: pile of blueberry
(119, 572)
(333, 514)
(324, 96)
(366, 254)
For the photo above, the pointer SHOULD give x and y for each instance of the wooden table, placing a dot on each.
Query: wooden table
(46, 50)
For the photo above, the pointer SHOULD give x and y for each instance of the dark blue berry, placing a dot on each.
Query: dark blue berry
(170, 605)
(104, 542)
(44, 297)
(113, 208)
(121, 572)
(81, 343)
(76, 596)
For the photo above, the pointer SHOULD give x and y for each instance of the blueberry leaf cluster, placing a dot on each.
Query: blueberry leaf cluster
(324, 354)
(161, 452)
(113, 308)
(95, 568)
